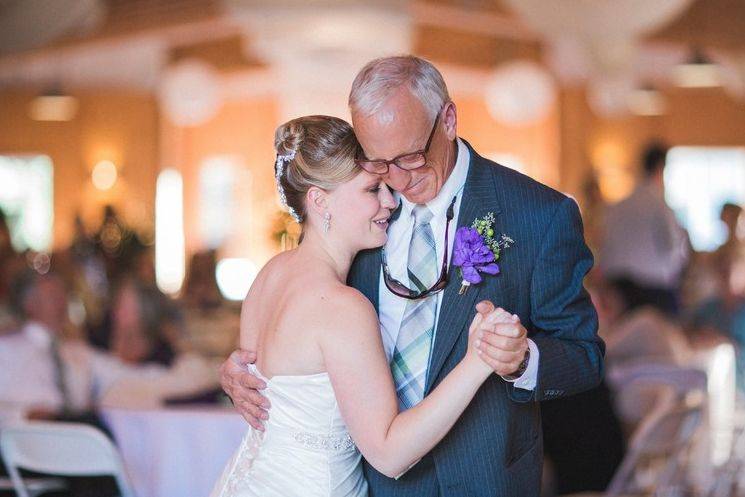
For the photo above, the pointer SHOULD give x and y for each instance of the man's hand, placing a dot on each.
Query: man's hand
(502, 341)
(243, 388)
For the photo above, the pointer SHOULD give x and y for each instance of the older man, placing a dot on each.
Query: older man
(407, 126)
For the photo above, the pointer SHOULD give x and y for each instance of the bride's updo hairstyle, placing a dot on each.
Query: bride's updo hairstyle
(312, 151)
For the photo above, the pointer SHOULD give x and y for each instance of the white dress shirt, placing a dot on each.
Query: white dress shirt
(391, 307)
(643, 241)
(28, 377)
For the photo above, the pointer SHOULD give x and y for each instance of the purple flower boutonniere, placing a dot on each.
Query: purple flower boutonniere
(476, 251)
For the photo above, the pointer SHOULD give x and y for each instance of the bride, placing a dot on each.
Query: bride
(318, 340)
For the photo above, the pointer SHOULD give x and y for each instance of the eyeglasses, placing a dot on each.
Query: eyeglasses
(409, 161)
(400, 290)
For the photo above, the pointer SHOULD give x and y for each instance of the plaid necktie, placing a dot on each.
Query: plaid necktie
(60, 376)
(414, 342)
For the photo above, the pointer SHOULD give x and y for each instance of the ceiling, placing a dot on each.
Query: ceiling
(145, 35)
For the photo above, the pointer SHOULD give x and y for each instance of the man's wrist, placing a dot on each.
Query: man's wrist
(520, 369)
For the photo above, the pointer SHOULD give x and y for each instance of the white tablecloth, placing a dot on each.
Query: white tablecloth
(175, 452)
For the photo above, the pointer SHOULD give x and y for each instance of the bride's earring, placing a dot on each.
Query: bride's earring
(326, 222)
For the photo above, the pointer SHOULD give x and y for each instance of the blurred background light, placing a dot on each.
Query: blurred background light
(104, 175)
(699, 71)
(53, 107)
(234, 277)
(647, 101)
(169, 231)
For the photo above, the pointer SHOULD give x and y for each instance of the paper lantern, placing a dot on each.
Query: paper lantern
(190, 93)
(520, 93)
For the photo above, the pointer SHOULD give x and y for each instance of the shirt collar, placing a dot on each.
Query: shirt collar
(452, 187)
(37, 333)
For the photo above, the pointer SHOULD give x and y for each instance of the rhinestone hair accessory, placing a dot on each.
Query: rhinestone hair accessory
(279, 170)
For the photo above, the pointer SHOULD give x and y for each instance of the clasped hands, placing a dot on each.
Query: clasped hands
(501, 342)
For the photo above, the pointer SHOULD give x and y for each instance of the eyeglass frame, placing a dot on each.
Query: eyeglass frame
(387, 163)
(438, 286)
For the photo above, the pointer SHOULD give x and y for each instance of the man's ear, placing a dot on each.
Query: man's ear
(317, 200)
(450, 119)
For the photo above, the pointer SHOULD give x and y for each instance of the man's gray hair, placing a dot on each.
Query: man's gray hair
(381, 78)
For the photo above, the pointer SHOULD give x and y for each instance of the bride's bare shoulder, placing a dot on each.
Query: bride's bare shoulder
(340, 308)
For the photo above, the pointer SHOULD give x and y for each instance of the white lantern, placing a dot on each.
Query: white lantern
(190, 93)
(569, 59)
(520, 93)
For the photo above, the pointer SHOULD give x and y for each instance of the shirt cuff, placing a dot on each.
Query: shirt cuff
(529, 378)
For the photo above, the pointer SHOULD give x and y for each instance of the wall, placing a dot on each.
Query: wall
(116, 125)
(610, 147)
(242, 129)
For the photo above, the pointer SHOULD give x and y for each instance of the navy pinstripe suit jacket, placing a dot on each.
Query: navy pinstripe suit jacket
(495, 448)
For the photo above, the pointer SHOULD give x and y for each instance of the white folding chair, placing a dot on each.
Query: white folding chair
(727, 478)
(65, 449)
(665, 436)
(34, 486)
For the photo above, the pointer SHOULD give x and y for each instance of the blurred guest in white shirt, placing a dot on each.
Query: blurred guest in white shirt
(644, 249)
(48, 376)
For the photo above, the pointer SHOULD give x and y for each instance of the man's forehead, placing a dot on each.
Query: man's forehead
(381, 141)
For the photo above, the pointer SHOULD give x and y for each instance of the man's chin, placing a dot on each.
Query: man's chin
(419, 197)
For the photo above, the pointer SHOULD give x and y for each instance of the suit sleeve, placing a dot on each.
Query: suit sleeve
(564, 322)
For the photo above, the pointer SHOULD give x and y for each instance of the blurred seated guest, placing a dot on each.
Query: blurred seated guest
(644, 250)
(720, 314)
(146, 325)
(633, 338)
(93, 284)
(645, 335)
(46, 375)
(212, 323)
(144, 265)
(732, 217)
(725, 314)
(10, 262)
(704, 281)
(118, 244)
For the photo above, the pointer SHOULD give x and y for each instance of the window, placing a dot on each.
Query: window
(217, 178)
(27, 199)
(169, 231)
(698, 181)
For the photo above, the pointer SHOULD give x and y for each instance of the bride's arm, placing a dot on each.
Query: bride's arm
(361, 377)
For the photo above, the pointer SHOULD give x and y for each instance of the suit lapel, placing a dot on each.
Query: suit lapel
(456, 311)
(367, 268)
(367, 276)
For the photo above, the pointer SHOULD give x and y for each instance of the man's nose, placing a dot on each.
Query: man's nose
(387, 199)
(397, 178)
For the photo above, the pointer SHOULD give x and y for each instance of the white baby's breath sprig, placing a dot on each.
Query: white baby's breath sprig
(279, 170)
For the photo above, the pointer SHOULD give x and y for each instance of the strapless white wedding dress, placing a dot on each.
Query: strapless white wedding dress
(305, 450)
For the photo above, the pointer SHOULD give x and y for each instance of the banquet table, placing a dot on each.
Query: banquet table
(175, 451)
